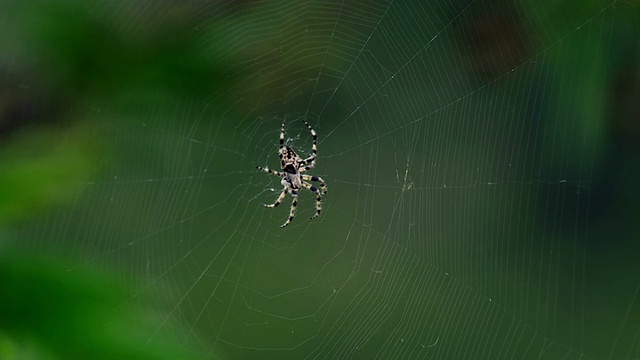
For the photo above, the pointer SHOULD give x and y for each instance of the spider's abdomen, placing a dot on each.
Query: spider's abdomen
(288, 155)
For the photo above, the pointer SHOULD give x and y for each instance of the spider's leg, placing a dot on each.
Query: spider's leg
(269, 171)
(308, 167)
(314, 149)
(278, 200)
(281, 141)
(317, 179)
(294, 204)
(318, 197)
(282, 136)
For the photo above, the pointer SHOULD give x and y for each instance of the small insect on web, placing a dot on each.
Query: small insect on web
(293, 180)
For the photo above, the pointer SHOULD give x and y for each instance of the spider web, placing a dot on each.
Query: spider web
(460, 152)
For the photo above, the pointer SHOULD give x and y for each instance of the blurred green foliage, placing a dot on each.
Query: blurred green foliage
(96, 59)
(48, 312)
(63, 74)
(43, 167)
(67, 71)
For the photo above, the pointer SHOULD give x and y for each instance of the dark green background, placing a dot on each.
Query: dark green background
(481, 158)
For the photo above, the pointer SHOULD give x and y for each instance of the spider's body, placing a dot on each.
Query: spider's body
(292, 166)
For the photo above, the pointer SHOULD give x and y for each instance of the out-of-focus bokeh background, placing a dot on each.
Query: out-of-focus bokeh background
(482, 159)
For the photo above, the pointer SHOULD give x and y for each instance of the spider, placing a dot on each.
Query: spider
(292, 179)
